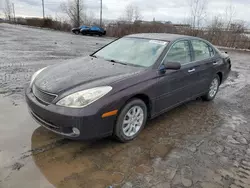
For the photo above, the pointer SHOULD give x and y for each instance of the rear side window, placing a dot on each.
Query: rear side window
(202, 50)
(179, 52)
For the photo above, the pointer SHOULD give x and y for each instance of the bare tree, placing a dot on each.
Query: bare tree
(8, 10)
(238, 27)
(198, 12)
(215, 30)
(75, 11)
(90, 18)
(1, 8)
(229, 14)
(217, 23)
(137, 14)
(131, 13)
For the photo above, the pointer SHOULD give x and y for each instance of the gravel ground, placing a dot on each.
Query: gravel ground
(199, 144)
(23, 50)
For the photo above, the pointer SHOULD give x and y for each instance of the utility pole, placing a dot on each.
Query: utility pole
(43, 7)
(13, 6)
(78, 13)
(101, 14)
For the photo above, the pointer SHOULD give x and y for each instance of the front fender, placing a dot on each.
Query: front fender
(121, 97)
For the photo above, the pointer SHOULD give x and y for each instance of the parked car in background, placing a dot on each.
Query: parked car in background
(115, 90)
(93, 30)
(78, 29)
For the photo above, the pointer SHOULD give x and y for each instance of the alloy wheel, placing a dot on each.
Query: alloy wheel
(213, 87)
(133, 121)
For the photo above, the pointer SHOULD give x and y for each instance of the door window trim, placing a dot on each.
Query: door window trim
(180, 40)
(191, 51)
(195, 61)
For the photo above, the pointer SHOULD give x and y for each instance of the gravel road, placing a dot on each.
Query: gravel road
(199, 144)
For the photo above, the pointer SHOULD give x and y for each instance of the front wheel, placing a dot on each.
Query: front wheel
(213, 89)
(131, 120)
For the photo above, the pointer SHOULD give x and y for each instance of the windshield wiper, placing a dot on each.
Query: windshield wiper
(93, 56)
(113, 61)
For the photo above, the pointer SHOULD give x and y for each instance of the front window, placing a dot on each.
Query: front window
(133, 51)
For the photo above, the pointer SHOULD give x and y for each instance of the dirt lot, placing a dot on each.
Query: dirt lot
(199, 144)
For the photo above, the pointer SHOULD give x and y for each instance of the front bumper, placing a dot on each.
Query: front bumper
(61, 120)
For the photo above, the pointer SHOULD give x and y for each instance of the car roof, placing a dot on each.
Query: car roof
(161, 36)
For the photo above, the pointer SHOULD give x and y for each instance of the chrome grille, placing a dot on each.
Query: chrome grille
(42, 95)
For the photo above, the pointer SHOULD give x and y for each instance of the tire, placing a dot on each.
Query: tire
(77, 32)
(125, 132)
(213, 89)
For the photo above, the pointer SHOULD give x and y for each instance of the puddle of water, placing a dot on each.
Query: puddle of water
(106, 162)
(16, 129)
(47, 159)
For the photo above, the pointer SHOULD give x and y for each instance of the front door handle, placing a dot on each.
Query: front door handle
(215, 63)
(191, 70)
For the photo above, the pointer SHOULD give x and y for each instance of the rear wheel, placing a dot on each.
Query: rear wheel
(213, 89)
(77, 32)
(131, 120)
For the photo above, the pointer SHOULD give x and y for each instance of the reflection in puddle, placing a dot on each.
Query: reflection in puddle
(107, 162)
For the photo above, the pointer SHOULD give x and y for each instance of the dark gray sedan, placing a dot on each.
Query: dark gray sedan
(115, 90)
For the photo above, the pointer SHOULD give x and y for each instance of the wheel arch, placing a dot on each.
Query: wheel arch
(145, 98)
(220, 76)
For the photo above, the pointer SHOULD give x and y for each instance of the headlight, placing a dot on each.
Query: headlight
(83, 98)
(35, 75)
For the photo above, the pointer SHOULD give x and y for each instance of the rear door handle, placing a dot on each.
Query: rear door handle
(191, 70)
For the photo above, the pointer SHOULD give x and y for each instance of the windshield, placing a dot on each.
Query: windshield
(133, 51)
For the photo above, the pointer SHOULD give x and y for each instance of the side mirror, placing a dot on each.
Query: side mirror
(172, 65)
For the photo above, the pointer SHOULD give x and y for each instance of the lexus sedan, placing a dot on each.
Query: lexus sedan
(115, 90)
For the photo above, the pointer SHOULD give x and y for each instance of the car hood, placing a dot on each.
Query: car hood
(84, 72)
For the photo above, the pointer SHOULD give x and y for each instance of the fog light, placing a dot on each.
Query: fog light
(76, 131)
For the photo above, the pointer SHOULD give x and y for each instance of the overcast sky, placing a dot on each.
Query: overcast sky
(167, 10)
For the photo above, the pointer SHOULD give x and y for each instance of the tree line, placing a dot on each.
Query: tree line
(221, 30)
